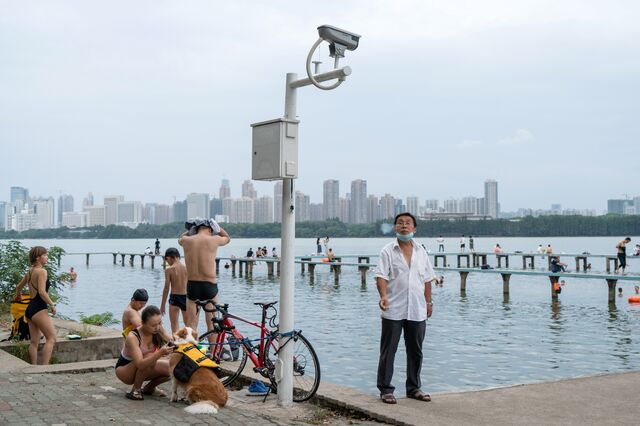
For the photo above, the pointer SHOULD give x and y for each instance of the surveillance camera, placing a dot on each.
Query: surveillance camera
(338, 40)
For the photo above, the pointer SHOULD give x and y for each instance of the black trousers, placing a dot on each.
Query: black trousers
(414, 332)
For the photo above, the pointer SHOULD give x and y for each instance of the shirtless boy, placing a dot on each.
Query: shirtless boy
(175, 286)
(131, 318)
(200, 248)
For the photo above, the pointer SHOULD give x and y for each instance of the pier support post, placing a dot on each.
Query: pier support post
(250, 269)
(525, 258)
(553, 280)
(312, 269)
(115, 255)
(153, 262)
(233, 267)
(131, 258)
(363, 276)
(612, 289)
(270, 269)
(505, 283)
(217, 266)
(302, 260)
(438, 256)
(278, 268)
(142, 256)
(122, 259)
(240, 267)
(87, 260)
(463, 281)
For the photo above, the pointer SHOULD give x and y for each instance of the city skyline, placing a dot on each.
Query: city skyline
(528, 93)
(24, 211)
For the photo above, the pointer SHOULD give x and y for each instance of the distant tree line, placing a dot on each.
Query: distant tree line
(543, 226)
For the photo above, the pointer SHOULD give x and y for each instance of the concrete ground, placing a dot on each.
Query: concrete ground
(89, 393)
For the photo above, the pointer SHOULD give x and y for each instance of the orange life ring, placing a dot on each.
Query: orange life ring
(325, 259)
(634, 299)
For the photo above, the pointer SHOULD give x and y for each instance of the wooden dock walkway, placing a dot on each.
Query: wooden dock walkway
(473, 262)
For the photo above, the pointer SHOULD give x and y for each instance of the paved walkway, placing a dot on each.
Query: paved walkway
(33, 395)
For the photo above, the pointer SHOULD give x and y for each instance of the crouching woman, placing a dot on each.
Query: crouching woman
(141, 358)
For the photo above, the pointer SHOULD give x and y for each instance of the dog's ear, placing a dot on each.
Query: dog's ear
(194, 334)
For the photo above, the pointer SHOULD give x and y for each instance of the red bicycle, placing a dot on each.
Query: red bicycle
(306, 367)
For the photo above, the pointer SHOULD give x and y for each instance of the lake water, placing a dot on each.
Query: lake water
(476, 341)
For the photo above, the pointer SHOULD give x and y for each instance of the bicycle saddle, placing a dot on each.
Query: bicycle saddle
(265, 304)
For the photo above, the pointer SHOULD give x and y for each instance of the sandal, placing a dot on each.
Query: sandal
(420, 396)
(388, 398)
(154, 392)
(134, 395)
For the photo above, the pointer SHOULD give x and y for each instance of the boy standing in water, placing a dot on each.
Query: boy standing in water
(175, 286)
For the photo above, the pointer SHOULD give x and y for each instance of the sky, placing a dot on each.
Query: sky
(154, 99)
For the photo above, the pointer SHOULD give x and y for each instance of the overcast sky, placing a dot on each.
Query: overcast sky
(153, 99)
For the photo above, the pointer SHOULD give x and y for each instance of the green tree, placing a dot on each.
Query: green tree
(14, 263)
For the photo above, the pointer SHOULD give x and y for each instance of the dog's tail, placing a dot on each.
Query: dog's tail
(202, 407)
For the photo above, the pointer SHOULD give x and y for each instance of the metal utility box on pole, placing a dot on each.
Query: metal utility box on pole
(275, 149)
(275, 156)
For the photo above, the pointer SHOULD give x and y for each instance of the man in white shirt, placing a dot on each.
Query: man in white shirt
(403, 277)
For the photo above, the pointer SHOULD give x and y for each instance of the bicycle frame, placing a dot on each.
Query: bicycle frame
(227, 326)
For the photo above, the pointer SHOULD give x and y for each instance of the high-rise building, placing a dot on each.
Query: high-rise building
(358, 207)
(198, 205)
(243, 210)
(636, 204)
(431, 206)
(264, 210)
(19, 193)
(412, 205)
(491, 198)
(469, 205)
(345, 207)
(3, 215)
(618, 206)
(75, 220)
(227, 208)
(302, 210)
(330, 199)
(277, 202)
(111, 208)
(129, 213)
(44, 209)
(215, 206)
(387, 207)
(248, 190)
(179, 211)
(96, 215)
(316, 212)
(452, 205)
(65, 204)
(225, 189)
(162, 214)
(88, 200)
(374, 208)
(399, 208)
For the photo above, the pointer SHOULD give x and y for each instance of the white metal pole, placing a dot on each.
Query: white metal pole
(285, 355)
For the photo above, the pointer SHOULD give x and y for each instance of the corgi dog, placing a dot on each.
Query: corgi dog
(203, 389)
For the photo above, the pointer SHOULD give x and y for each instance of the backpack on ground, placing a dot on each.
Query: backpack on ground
(19, 325)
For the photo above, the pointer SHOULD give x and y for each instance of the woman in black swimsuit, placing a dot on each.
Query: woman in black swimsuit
(37, 313)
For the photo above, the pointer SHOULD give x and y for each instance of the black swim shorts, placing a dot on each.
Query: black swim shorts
(122, 361)
(201, 290)
(179, 300)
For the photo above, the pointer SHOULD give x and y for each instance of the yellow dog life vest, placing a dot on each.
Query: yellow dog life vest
(192, 359)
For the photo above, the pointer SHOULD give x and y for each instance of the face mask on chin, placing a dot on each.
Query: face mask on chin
(406, 237)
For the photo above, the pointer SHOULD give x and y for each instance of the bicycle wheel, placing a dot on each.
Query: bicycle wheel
(306, 367)
(230, 368)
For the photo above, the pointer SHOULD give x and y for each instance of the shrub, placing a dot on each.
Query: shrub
(14, 263)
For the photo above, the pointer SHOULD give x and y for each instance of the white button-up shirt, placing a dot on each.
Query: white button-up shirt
(406, 285)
